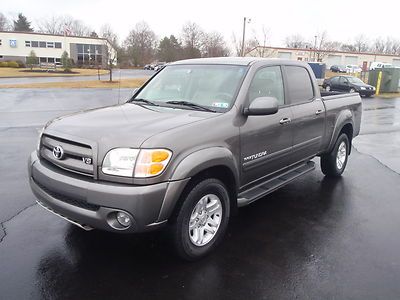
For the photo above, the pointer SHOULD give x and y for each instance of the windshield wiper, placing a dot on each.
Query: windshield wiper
(143, 101)
(190, 104)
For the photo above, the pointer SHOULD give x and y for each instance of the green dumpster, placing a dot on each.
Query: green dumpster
(390, 79)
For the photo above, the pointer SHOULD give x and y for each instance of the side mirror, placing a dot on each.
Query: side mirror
(262, 106)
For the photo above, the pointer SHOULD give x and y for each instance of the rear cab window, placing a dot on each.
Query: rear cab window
(300, 87)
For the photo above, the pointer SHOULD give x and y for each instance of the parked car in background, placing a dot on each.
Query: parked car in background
(353, 69)
(159, 66)
(379, 65)
(338, 69)
(148, 67)
(348, 84)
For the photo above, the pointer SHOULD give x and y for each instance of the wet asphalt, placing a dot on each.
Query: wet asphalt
(316, 238)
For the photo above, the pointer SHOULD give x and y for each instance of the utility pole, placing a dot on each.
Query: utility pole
(244, 33)
(315, 48)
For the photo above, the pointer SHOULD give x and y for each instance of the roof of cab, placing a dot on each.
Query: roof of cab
(241, 61)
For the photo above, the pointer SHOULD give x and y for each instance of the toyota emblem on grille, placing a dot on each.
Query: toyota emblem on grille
(58, 152)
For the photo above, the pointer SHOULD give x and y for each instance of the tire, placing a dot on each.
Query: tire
(187, 243)
(334, 163)
(328, 88)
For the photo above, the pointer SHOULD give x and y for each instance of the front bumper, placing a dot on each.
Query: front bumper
(91, 204)
(367, 93)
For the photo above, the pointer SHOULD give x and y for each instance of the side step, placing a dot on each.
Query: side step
(263, 189)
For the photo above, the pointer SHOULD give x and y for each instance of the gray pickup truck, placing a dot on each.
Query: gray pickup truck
(199, 139)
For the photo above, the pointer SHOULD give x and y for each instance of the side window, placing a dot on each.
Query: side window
(343, 80)
(334, 80)
(267, 82)
(300, 87)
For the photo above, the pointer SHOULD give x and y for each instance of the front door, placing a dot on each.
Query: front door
(266, 141)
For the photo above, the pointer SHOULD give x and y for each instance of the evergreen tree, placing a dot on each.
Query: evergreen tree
(32, 60)
(22, 24)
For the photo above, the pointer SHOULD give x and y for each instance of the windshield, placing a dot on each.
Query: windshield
(355, 80)
(213, 86)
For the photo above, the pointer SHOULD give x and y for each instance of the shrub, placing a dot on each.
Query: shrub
(12, 64)
(3, 64)
(21, 64)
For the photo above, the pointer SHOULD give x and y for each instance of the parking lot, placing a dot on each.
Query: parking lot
(316, 238)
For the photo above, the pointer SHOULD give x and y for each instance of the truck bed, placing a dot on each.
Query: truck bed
(340, 107)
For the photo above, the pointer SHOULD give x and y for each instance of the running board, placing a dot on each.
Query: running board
(263, 189)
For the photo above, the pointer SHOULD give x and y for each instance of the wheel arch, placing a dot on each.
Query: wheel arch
(214, 162)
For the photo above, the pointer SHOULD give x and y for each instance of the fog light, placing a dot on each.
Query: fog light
(123, 219)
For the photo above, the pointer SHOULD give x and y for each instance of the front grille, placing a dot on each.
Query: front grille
(74, 155)
(74, 202)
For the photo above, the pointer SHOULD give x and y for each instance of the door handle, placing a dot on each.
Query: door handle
(285, 121)
(318, 112)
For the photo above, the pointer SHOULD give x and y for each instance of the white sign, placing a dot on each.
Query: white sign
(13, 43)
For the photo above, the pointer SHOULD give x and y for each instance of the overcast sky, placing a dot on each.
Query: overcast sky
(342, 19)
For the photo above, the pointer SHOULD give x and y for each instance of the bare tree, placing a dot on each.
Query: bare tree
(378, 46)
(52, 25)
(141, 44)
(4, 23)
(192, 37)
(214, 45)
(361, 43)
(64, 25)
(295, 41)
(324, 46)
(110, 46)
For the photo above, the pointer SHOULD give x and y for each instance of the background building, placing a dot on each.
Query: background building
(328, 57)
(16, 46)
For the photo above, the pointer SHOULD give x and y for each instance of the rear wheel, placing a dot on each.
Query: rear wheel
(201, 220)
(334, 163)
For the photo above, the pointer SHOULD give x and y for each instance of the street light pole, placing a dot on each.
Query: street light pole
(315, 48)
(244, 35)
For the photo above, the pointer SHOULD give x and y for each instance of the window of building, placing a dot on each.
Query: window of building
(43, 59)
(267, 83)
(27, 43)
(51, 59)
(57, 45)
(300, 85)
(0, 43)
(58, 60)
(42, 44)
(35, 44)
(89, 54)
(50, 44)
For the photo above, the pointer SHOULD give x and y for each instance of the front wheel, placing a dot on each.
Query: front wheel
(334, 162)
(202, 219)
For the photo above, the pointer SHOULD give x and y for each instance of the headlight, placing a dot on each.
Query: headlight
(362, 88)
(120, 162)
(129, 162)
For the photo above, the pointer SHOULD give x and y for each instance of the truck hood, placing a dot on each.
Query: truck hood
(127, 125)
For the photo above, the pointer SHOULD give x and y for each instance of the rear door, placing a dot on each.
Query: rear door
(266, 141)
(308, 110)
